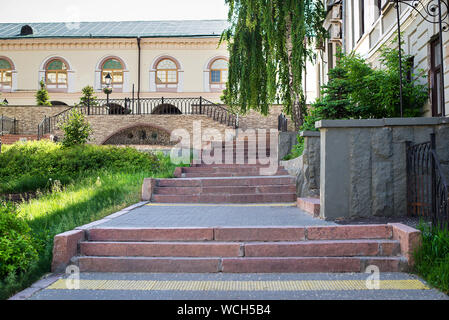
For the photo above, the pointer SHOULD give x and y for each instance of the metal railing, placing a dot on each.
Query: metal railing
(427, 189)
(8, 125)
(282, 123)
(144, 106)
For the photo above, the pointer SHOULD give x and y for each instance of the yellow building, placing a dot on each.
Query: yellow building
(145, 59)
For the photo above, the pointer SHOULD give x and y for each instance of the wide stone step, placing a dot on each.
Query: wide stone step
(231, 174)
(225, 198)
(226, 181)
(162, 249)
(342, 248)
(226, 190)
(238, 264)
(225, 168)
(243, 234)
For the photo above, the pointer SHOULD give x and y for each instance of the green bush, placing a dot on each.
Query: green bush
(88, 97)
(28, 166)
(76, 129)
(355, 90)
(42, 97)
(432, 258)
(17, 251)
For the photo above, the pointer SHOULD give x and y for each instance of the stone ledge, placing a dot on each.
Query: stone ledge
(309, 133)
(409, 238)
(367, 123)
(65, 247)
(310, 205)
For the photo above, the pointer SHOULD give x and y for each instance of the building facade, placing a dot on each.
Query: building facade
(145, 59)
(364, 26)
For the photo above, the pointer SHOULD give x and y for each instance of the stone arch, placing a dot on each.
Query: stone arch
(166, 108)
(139, 133)
(154, 87)
(116, 88)
(13, 86)
(58, 103)
(70, 74)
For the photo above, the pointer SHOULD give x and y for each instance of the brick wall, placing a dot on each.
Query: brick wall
(29, 116)
(255, 120)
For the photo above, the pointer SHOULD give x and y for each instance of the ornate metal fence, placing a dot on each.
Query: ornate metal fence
(427, 189)
(143, 106)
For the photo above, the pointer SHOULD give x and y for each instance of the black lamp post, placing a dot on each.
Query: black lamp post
(432, 9)
(108, 81)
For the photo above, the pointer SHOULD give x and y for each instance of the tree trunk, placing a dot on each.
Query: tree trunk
(296, 108)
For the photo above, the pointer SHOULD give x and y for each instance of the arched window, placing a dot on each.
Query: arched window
(166, 72)
(56, 74)
(219, 71)
(115, 68)
(5, 73)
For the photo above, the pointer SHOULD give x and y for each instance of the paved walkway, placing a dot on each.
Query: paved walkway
(318, 286)
(210, 215)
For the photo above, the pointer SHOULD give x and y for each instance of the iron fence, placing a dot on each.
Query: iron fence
(282, 123)
(8, 125)
(144, 106)
(427, 189)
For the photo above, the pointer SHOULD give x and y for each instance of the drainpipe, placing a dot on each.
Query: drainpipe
(138, 74)
(343, 26)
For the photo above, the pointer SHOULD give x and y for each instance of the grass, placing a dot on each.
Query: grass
(432, 258)
(87, 196)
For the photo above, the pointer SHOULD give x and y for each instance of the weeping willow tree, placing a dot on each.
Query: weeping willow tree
(269, 43)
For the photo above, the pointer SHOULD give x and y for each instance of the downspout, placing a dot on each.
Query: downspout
(343, 26)
(138, 73)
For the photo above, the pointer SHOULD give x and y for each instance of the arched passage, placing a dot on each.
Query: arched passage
(166, 108)
(140, 134)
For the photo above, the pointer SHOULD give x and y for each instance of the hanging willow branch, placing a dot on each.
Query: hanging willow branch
(268, 42)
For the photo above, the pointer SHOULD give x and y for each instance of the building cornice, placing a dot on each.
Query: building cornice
(107, 43)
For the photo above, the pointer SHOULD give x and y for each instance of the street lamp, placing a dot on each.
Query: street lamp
(108, 89)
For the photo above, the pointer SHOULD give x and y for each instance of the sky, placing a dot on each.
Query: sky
(111, 10)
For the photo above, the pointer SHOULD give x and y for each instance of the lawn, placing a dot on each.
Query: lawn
(75, 186)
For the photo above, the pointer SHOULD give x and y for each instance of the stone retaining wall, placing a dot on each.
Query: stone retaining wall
(306, 168)
(363, 163)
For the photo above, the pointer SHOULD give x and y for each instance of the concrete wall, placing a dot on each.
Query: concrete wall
(306, 168)
(363, 163)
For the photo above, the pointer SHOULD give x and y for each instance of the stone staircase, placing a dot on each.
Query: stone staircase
(241, 249)
(246, 249)
(243, 179)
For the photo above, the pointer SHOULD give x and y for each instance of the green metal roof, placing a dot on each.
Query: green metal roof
(116, 29)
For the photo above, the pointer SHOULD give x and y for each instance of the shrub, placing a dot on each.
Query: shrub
(76, 129)
(17, 251)
(357, 91)
(88, 96)
(27, 166)
(432, 258)
(42, 97)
